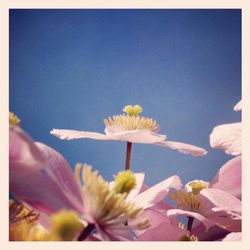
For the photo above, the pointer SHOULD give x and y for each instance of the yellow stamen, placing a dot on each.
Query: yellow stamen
(13, 119)
(130, 121)
(65, 225)
(132, 110)
(185, 200)
(103, 203)
(124, 182)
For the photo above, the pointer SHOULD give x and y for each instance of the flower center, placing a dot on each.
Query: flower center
(132, 110)
(185, 200)
(13, 119)
(130, 121)
(124, 182)
(196, 186)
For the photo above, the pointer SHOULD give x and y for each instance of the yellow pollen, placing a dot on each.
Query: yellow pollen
(13, 119)
(65, 224)
(124, 182)
(132, 110)
(196, 186)
(185, 200)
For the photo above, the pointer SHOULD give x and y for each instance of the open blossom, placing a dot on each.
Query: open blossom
(42, 178)
(209, 205)
(131, 127)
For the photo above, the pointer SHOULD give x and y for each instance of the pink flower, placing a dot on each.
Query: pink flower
(131, 127)
(42, 178)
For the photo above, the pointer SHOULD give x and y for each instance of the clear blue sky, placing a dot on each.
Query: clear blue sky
(72, 68)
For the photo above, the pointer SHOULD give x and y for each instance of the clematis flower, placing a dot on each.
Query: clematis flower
(228, 136)
(210, 206)
(41, 178)
(131, 128)
(106, 209)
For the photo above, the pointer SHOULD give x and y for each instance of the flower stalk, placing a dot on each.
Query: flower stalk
(128, 155)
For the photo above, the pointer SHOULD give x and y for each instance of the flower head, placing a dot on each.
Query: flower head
(107, 207)
(131, 127)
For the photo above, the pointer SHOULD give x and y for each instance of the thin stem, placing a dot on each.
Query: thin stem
(190, 223)
(128, 155)
(86, 232)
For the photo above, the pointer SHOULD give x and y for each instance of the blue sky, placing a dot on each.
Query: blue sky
(72, 68)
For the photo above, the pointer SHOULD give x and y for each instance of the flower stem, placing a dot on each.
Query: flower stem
(128, 155)
(86, 232)
(190, 223)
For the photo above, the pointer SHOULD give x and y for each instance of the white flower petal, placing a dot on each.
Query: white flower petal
(183, 148)
(227, 137)
(134, 136)
(156, 193)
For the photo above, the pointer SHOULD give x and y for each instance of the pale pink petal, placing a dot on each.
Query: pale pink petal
(139, 178)
(164, 232)
(61, 172)
(227, 137)
(233, 237)
(228, 178)
(221, 207)
(156, 193)
(154, 217)
(38, 190)
(23, 149)
(66, 134)
(134, 136)
(238, 106)
(173, 213)
(214, 233)
(183, 148)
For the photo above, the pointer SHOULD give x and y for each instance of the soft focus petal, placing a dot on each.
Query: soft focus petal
(228, 178)
(173, 213)
(164, 232)
(23, 150)
(32, 179)
(134, 136)
(233, 237)
(61, 172)
(38, 190)
(227, 137)
(221, 207)
(157, 193)
(238, 106)
(183, 148)
(139, 178)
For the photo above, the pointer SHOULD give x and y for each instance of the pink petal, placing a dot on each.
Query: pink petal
(156, 193)
(221, 207)
(164, 232)
(139, 178)
(228, 178)
(38, 190)
(134, 136)
(227, 137)
(233, 237)
(61, 172)
(183, 148)
(238, 106)
(173, 213)
(23, 150)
